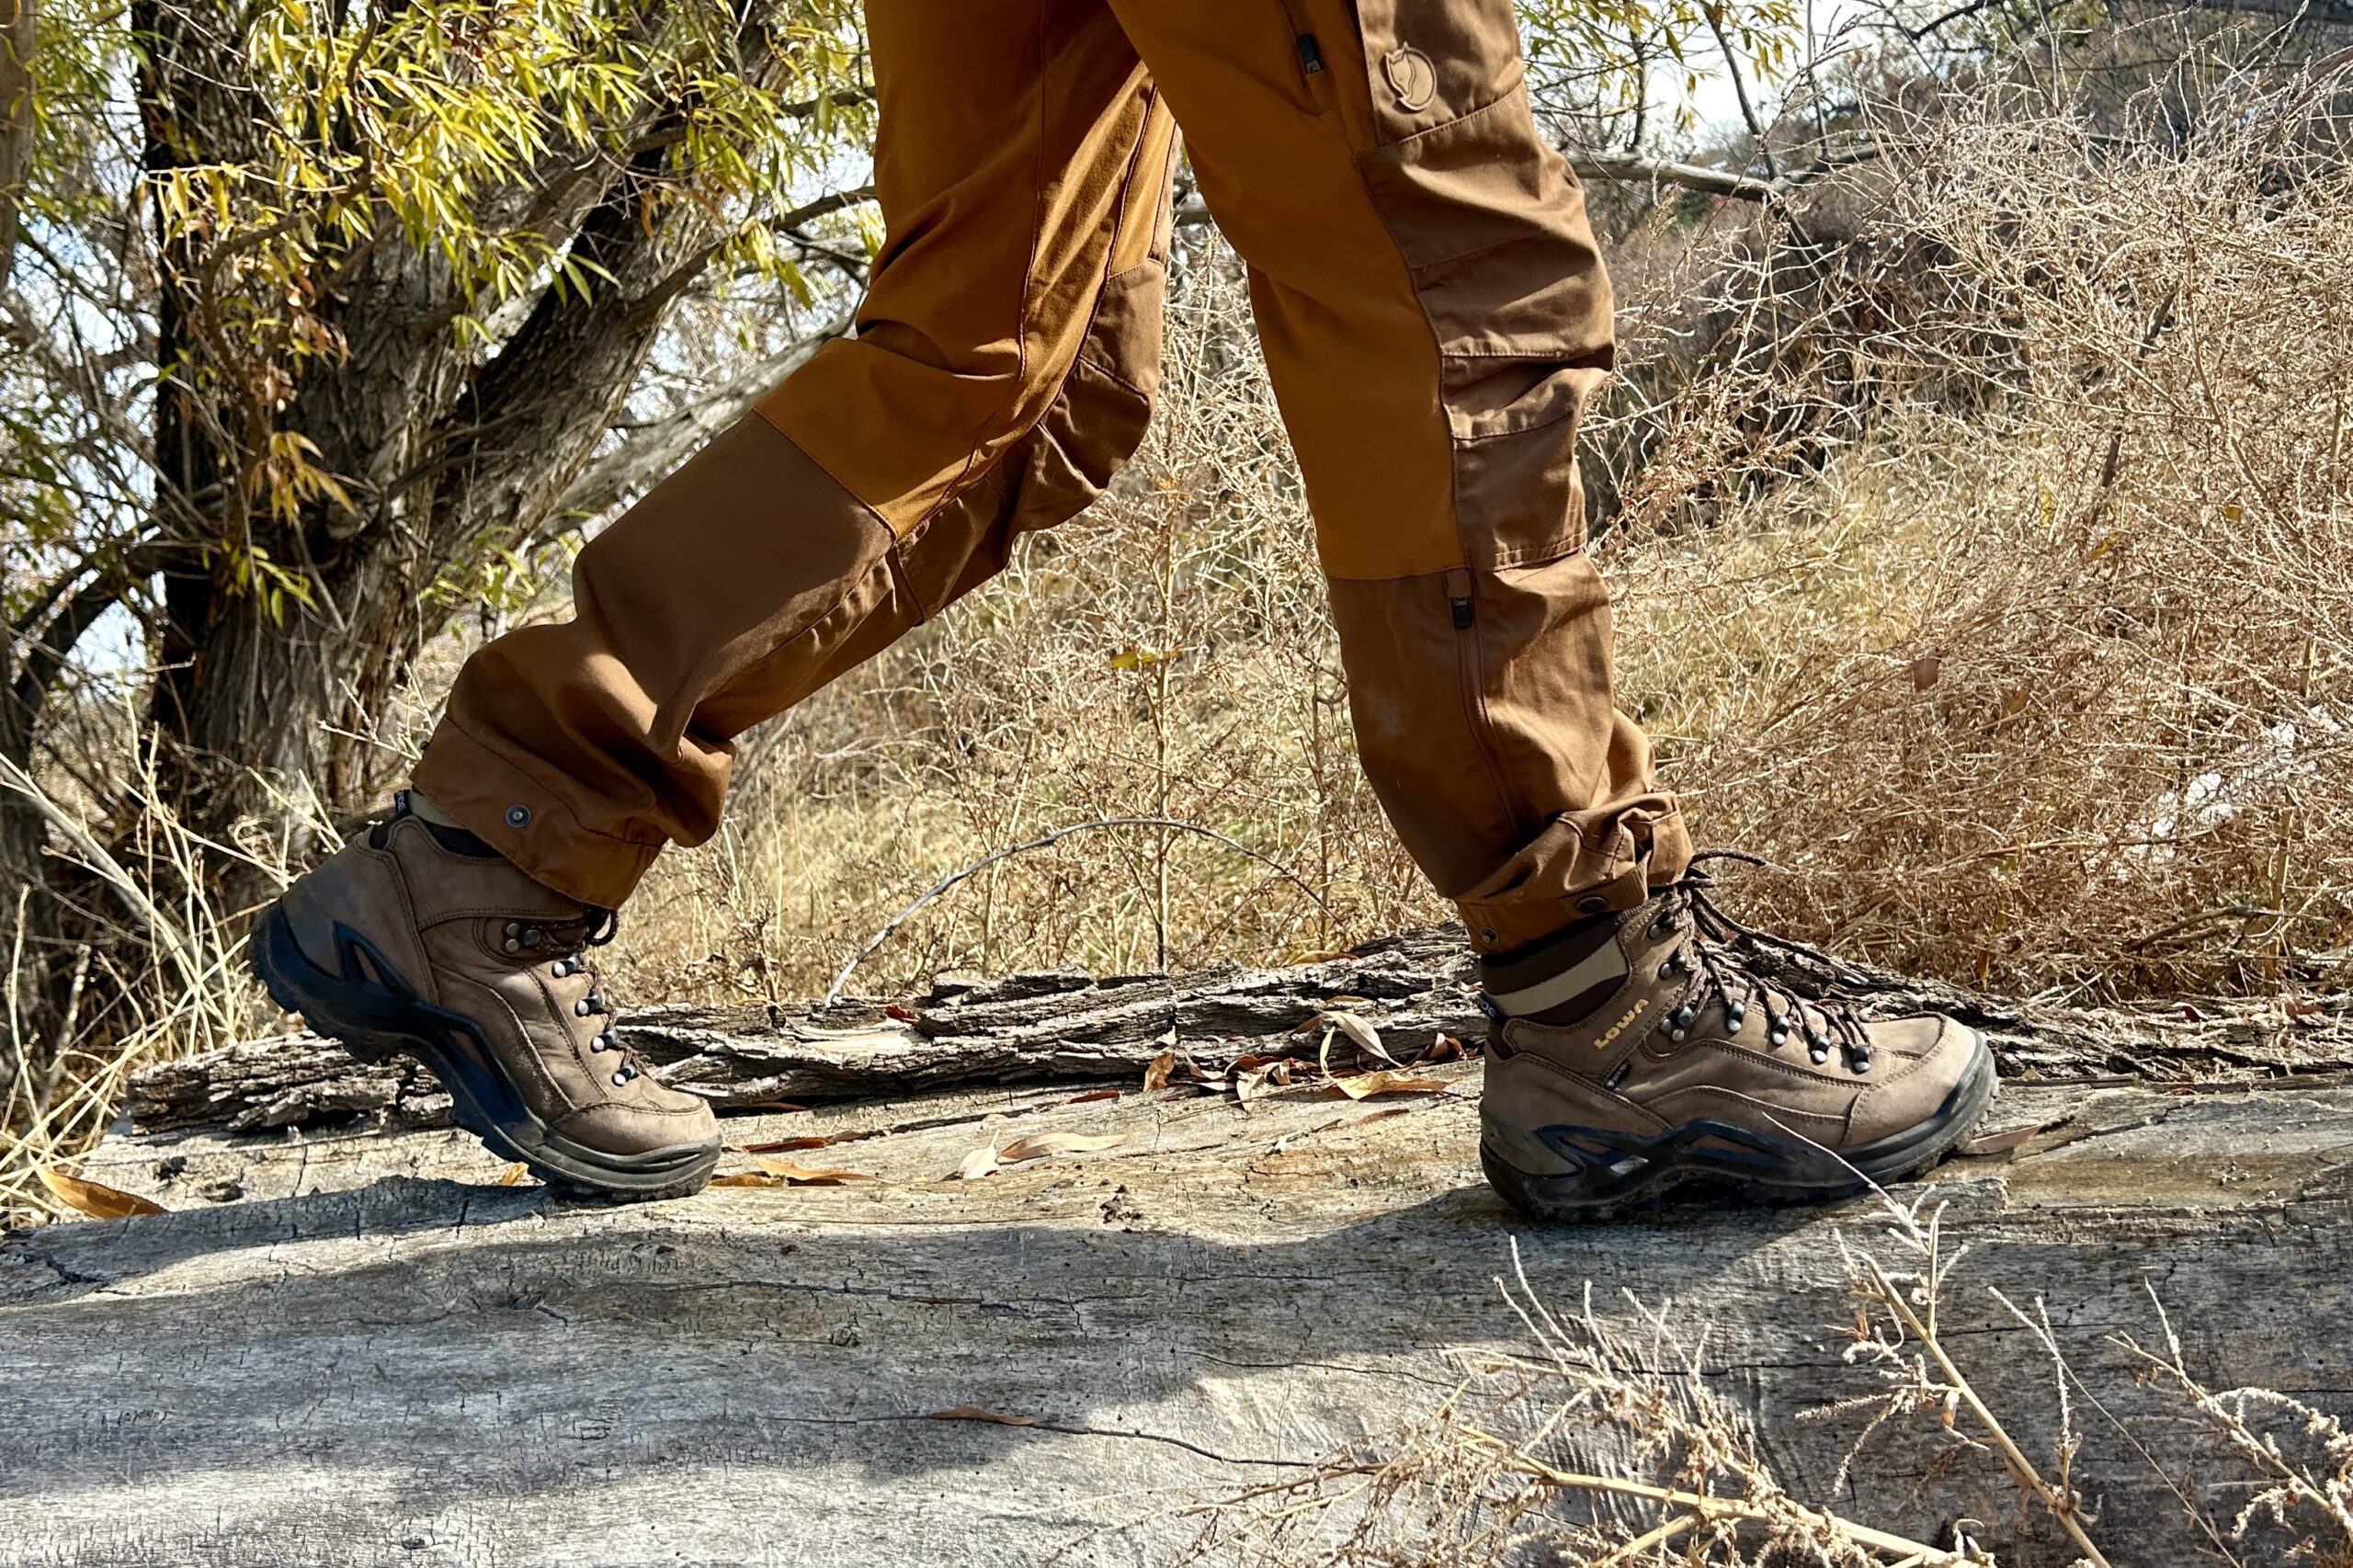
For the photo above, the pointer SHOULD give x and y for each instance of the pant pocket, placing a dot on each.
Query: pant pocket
(1493, 230)
(1435, 61)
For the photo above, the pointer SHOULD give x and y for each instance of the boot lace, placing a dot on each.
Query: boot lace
(571, 943)
(1719, 978)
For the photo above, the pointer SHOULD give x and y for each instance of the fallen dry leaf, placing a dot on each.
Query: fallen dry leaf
(1248, 1087)
(2002, 1142)
(1156, 1075)
(512, 1175)
(905, 1014)
(810, 1175)
(974, 1412)
(99, 1202)
(1363, 1033)
(1443, 1048)
(1045, 1145)
(1364, 1086)
(746, 1178)
(1091, 1099)
(978, 1163)
(780, 1145)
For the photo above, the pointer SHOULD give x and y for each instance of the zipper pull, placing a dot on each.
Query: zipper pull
(1311, 55)
(1462, 614)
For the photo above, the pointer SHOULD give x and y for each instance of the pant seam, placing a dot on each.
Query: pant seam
(969, 478)
(973, 467)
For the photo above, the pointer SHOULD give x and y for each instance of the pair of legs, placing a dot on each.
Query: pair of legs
(1435, 317)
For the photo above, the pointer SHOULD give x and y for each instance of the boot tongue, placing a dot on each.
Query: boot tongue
(1563, 978)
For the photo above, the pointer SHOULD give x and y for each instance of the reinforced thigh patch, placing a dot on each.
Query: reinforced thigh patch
(1493, 228)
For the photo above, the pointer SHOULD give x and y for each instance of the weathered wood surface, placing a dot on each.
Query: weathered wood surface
(357, 1350)
(1069, 1027)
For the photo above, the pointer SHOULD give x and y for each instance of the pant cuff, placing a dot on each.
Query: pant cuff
(508, 810)
(1636, 856)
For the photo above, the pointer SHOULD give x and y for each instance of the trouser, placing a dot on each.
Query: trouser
(1435, 316)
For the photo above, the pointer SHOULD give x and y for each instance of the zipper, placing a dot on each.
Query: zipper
(1307, 54)
(1469, 671)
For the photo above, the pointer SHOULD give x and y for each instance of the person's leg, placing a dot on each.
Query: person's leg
(1001, 370)
(1435, 316)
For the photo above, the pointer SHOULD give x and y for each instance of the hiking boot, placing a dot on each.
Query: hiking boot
(1634, 1052)
(418, 937)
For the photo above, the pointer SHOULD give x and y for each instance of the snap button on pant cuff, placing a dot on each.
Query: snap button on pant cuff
(507, 809)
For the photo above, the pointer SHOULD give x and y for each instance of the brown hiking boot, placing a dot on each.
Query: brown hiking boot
(1634, 1052)
(418, 939)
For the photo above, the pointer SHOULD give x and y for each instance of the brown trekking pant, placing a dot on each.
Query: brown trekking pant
(1435, 316)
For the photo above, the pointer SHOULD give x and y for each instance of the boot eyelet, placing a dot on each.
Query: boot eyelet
(1678, 1036)
(580, 1008)
(1734, 1017)
(511, 945)
(1819, 1054)
(621, 1079)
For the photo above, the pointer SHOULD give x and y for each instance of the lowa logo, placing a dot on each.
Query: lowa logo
(1614, 1030)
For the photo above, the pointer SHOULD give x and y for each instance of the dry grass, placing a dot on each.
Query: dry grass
(1605, 1443)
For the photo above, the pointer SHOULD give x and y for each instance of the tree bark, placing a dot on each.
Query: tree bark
(1066, 1026)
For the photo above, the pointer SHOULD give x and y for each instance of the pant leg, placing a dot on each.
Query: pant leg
(1003, 368)
(1435, 316)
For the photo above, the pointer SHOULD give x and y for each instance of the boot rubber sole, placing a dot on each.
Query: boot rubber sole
(373, 1021)
(1616, 1173)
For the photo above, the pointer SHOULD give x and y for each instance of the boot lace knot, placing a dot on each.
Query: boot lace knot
(1719, 978)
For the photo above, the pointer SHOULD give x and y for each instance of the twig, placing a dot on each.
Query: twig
(834, 992)
(107, 869)
(1719, 1507)
(1892, 1296)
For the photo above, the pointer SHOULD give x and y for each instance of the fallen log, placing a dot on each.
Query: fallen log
(1066, 1026)
(348, 1347)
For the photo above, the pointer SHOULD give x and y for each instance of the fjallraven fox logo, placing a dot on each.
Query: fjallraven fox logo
(1411, 76)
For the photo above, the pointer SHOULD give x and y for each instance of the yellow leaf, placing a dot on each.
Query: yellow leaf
(512, 1175)
(99, 1202)
(1046, 1146)
(746, 1178)
(808, 1176)
(1364, 1086)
